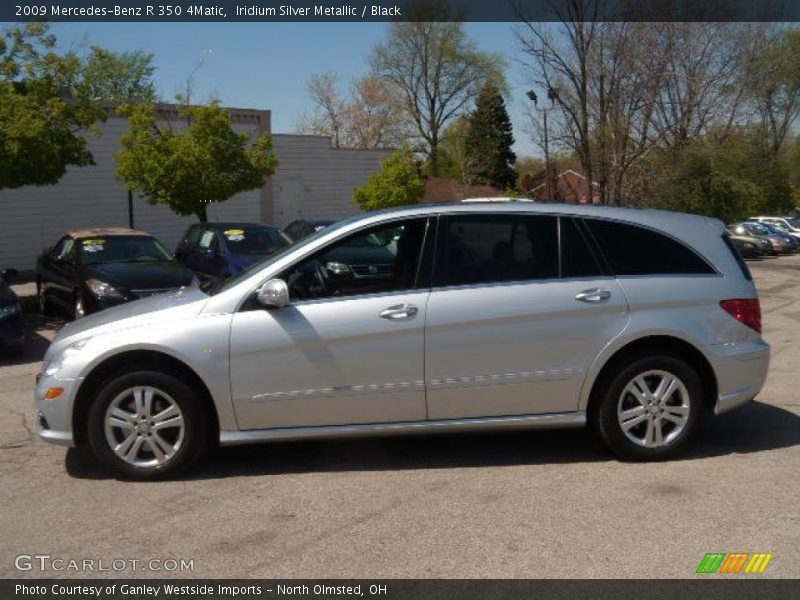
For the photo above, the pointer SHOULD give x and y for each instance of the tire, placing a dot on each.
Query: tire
(654, 429)
(147, 448)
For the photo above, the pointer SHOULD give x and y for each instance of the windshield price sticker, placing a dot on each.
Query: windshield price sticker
(234, 235)
(93, 245)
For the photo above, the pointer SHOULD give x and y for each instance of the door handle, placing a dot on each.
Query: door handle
(593, 295)
(398, 311)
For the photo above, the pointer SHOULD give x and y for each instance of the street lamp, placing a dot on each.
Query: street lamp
(552, 96)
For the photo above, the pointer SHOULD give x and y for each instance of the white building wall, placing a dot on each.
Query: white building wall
(315, 180)
(33, 218)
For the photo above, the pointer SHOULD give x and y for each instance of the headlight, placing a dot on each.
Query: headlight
(59, 362)
(10, 310)
(101, 289)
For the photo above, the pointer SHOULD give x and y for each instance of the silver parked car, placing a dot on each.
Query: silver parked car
(485, 316)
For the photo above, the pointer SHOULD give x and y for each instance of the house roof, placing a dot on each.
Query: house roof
(441, 189)
(560, 175)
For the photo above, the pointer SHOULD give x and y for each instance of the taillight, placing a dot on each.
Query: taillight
(745, 310)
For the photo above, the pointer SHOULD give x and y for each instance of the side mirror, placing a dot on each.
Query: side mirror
(8, 273)
(273, 294)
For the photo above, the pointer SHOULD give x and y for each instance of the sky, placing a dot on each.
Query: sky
(266, 65)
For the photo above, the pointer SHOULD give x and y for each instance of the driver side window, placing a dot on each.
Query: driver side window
(380, 259)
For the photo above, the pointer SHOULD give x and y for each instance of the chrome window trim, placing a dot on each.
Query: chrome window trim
(426, 217)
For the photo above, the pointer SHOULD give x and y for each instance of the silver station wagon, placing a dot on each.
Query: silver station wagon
(476, 316)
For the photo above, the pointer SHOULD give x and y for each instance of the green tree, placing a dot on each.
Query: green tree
(730, 181)
(189, 169)
(489, 141)
(453, 157)
(40, 119)
(125, 77)
(435, 70)
(398, 183)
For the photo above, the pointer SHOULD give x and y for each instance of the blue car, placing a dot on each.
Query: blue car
(11, 331)
(216, 251)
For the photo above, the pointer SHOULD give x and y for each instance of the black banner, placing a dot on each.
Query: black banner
(403, 10)
(393, 589)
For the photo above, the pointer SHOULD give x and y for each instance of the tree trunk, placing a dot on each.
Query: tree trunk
(202, 215)
(434, 159)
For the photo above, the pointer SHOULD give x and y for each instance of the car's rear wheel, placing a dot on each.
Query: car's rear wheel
(650, 409)
(147, 425)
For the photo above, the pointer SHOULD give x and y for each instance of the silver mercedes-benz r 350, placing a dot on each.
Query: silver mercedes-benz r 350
(467, 317)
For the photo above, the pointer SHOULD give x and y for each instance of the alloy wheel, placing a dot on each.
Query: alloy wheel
(144, 426)
(653, 409)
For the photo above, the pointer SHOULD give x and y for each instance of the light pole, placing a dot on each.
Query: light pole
(552, 96)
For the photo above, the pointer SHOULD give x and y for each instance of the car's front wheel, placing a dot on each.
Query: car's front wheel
(147, 425)
(650, 409)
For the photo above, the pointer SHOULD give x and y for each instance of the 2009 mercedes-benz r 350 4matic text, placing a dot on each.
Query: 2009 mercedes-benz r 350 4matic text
(484, 316)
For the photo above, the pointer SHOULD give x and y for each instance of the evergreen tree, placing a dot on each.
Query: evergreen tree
(489, 141)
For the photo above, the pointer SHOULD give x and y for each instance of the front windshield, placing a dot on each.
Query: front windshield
(258, 266)
(779, 226)
(757, 229)
(121, 249)
(254, 240)
(771, 228)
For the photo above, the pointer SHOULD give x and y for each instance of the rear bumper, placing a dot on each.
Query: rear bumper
(741, 370)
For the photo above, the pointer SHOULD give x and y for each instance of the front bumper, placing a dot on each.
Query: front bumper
(53, 418)
(741, 370)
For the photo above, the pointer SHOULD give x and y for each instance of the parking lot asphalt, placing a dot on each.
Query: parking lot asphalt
(530, 504)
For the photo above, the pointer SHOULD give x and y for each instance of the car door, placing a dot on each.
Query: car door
(515, 319)
(331, 358)
(62, 276)
(187, 244)
(204, 255)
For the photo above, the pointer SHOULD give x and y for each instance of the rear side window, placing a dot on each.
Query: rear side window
(495, 248)
(634, 250)
(577, 259)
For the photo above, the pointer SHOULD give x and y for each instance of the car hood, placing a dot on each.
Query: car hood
(140, 275)
(163, 308)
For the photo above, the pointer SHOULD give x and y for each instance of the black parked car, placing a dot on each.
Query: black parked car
(92, 269)
(216, 251)
(11, 331)
(297, 230)
(364, 262)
